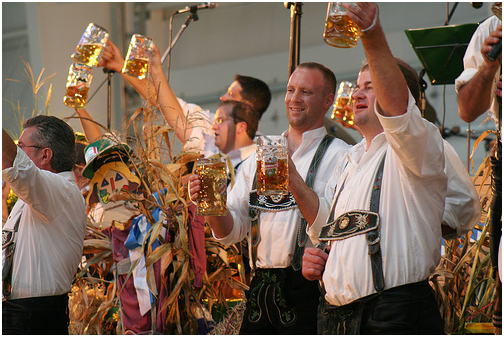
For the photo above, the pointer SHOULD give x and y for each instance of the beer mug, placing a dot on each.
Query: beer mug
(213, 194)
(137, 60)
(272, 165)
(343, 112)
(90, 45)
(77, 87)
(339, 30)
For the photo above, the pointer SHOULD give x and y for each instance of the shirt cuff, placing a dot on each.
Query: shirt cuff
(313, 231)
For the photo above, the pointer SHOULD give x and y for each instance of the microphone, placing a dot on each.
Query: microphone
(495, 52)
(196, 7)
(476, 4)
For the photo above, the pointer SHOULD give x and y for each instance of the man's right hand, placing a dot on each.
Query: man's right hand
(314, 260)
(111, 58)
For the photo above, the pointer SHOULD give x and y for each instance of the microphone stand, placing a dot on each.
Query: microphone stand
(109, 73)
(193, 16)
(295, 34)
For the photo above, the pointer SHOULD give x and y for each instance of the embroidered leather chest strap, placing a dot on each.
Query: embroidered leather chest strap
(360, 222)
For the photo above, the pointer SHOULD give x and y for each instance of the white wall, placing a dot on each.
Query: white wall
(246, 38)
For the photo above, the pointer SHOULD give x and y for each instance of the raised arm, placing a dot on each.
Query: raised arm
(388, 82)
(155, 91)
(112, 59)
(481, 84)
(89, 127)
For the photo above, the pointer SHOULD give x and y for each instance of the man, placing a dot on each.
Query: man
(382, 250)
(280, 301)
(235, 126)
(482, 78)
(193, 126)
(45, 230)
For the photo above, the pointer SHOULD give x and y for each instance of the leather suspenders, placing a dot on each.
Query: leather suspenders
(284, 204)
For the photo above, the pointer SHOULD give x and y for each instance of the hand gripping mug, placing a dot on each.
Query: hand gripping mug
(136, 62)
(340, 31)
(213, 194)
(77, 87)
(272, 165)
(90, 45)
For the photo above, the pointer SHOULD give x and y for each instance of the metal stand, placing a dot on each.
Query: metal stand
(109, 96)
(191, 17)
(295, 34)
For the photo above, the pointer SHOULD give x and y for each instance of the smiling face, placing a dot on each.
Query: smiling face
(307, 99)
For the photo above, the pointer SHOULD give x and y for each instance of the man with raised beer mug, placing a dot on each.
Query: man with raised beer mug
(280, 300)
(193, 126)
(377, 253)
(482, 78)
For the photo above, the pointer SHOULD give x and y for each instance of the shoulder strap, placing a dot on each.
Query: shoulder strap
(302, 236)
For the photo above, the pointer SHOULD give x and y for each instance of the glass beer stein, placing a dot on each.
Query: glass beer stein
(272, 165)
(213, 194)
(339, 30)
(90, 45)
(136, 62)
(343, 112)
(77, 86)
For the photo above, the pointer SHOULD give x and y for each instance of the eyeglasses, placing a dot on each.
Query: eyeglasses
(221, 120)
(22, 146)
(234, 119)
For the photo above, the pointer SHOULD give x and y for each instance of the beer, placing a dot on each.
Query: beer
(136, 67)
(136, 62)
(76, 96)
(341, 32)
(87, 54)
(213, 194)
(77, 86)
(342, 112)
(272, 176)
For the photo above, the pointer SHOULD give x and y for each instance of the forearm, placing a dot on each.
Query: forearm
(9, 150)
(221, 225)
(306, 198)
(170, 108)
(388, 81)
(479, 86)
(90, 128)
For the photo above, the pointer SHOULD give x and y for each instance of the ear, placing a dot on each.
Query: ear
(241, 127)
(329, 100)
(47, 155)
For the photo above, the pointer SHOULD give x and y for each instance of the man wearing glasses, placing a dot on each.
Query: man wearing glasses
(43, 237)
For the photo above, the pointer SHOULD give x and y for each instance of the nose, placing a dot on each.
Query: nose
(224, 97)
(215, 126)
(357, 93)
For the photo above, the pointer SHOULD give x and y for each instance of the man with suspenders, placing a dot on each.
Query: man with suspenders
(280, 300)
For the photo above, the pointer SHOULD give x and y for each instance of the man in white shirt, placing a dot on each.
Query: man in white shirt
(43, 237)
(280, 300)
(382, 250)
(482, 78)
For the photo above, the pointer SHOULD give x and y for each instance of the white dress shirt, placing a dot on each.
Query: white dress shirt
(51, 232)
(411, 207)
(473, 59)
(278, 230)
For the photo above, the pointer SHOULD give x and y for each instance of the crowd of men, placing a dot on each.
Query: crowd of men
(348, 251)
